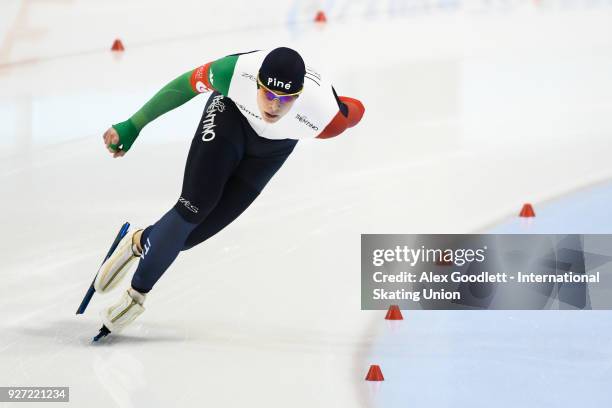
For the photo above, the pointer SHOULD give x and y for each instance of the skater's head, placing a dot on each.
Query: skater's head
(279, 83)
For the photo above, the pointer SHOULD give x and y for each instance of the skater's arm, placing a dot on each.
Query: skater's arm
(350, 112)
(214, 75)
(171, 96)
(354, 110)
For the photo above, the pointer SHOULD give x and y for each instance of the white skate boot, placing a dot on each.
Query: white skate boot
(117, 316)
(113, 270)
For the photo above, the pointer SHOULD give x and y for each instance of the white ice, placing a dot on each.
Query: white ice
(472, 108)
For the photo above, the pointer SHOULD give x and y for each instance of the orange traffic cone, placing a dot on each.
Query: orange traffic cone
(320, 17)
(394, 313)
(117, 46)
(374, 374)
(527, 211)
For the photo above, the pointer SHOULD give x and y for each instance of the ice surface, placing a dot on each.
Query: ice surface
(472, 108)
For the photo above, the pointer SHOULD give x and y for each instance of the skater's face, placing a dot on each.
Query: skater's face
(273, 105)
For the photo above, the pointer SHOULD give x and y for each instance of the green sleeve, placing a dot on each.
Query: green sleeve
(221, 73)
(171, 96)
(216, 75)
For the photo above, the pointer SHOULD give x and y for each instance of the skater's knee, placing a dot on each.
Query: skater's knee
(189, 211)
(195, 238)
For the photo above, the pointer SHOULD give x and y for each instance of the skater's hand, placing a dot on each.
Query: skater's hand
(111, 137)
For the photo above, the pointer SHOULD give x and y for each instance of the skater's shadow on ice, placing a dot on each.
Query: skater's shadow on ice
(80, 332)
(140, 339)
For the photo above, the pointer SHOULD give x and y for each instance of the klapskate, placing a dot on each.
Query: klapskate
(120, 314)
(114, 268)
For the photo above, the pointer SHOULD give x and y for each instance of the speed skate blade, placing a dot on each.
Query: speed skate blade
(91, 290)
(103, 333)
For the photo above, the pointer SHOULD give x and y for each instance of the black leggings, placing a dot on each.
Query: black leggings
(227, 167)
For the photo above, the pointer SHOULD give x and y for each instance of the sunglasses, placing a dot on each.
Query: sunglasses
(270, 95)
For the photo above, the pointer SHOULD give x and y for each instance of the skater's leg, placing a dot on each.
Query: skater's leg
(249, 178)
(210, 163)
(237, 196)
(163, 244)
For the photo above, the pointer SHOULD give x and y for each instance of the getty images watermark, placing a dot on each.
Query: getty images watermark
(486, 271)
